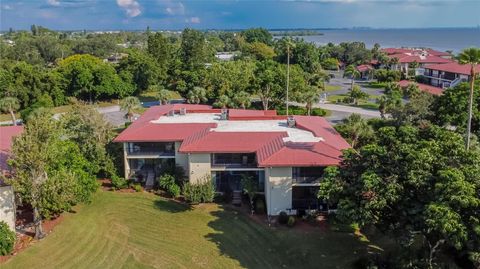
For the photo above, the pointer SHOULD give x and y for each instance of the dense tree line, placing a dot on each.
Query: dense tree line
(44, 68)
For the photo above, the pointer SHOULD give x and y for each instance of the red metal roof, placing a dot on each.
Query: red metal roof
(364, 67)
(423, 87)
(7, 133)
(249, 114)
(6, 136)
(143, 130)
(304, 154)
(162, 132)
(321, 128)
(453, 67)
(231, 142)
(405, 58)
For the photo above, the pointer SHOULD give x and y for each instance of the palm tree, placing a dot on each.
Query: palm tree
(355, 128)
(197, 95)
(310, 97)
(10, 105)
(223, 101)
(130, 104)
(242, 99)
(163, 96)
(470, 56)
(352, 72)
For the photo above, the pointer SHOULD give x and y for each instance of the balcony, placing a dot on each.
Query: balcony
(145, 149)
(307, 175)
(234, 160)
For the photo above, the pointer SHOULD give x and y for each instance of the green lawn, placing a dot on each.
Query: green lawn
(330, 88)
(141, 230)
(334, 98)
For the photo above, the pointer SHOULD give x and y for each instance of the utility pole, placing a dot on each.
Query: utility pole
(288, 70)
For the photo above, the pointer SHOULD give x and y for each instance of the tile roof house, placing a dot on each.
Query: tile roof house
(447, 75)
(408, 56)
(285, 157)
(7, 133)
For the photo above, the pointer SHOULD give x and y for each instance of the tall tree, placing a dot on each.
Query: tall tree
(193, 49)
(10, 105)
(352, 72)
(242, 99)
(310, 97)
(470, 56)
(197, 95)
(160, 48)
(33, 153)
(268, 82)
(355, 130)
(410, 184)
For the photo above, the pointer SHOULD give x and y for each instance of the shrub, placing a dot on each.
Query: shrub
(291, 221)
(7, 239)
(137, 187)
(283, 217)
(167, 183)
(200, 192)
(119, 182)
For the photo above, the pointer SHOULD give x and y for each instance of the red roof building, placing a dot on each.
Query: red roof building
(406, 57)
(448, 74)
(7, 134)
(423, 87)
(280, 154)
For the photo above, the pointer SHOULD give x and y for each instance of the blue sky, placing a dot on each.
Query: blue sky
(172, 14)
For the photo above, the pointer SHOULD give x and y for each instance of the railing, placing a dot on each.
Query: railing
(233, 165)
(306, 180)
(457, 81)
(150, 152)
(305, 203)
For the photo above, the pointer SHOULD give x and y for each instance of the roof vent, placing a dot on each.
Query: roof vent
(171, 113)
(224, 115)
(183, 111)
(291, 122)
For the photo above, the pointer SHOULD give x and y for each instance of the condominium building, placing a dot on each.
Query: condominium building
(285, 156)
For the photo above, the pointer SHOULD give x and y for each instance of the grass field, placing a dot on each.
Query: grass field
(141, 230)
(330, 88)
(334, 98)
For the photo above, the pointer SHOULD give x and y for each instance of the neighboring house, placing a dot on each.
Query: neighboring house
(7, 201)
(115, 58)
(408, 57)
(447, 75)
(286, 157)
(225, 56)
(366, 71)
(423, 87)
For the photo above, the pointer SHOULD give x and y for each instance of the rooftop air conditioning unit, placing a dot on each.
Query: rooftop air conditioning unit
(171, 113)
(183, 111)
(224, 115)
(291, 122)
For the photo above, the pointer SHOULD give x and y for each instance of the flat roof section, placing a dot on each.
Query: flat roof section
(294, 134)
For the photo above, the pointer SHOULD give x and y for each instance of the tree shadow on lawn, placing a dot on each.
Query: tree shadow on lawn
(255, 245)
(171, 206)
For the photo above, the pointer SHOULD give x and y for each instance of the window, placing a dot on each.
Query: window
(307, 174)
(234, 159)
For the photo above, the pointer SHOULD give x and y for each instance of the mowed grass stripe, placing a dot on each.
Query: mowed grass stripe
(141, 230)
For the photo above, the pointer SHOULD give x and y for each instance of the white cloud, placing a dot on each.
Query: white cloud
(174, 8)
(131, 7)
(6, 7)
(53, 2)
